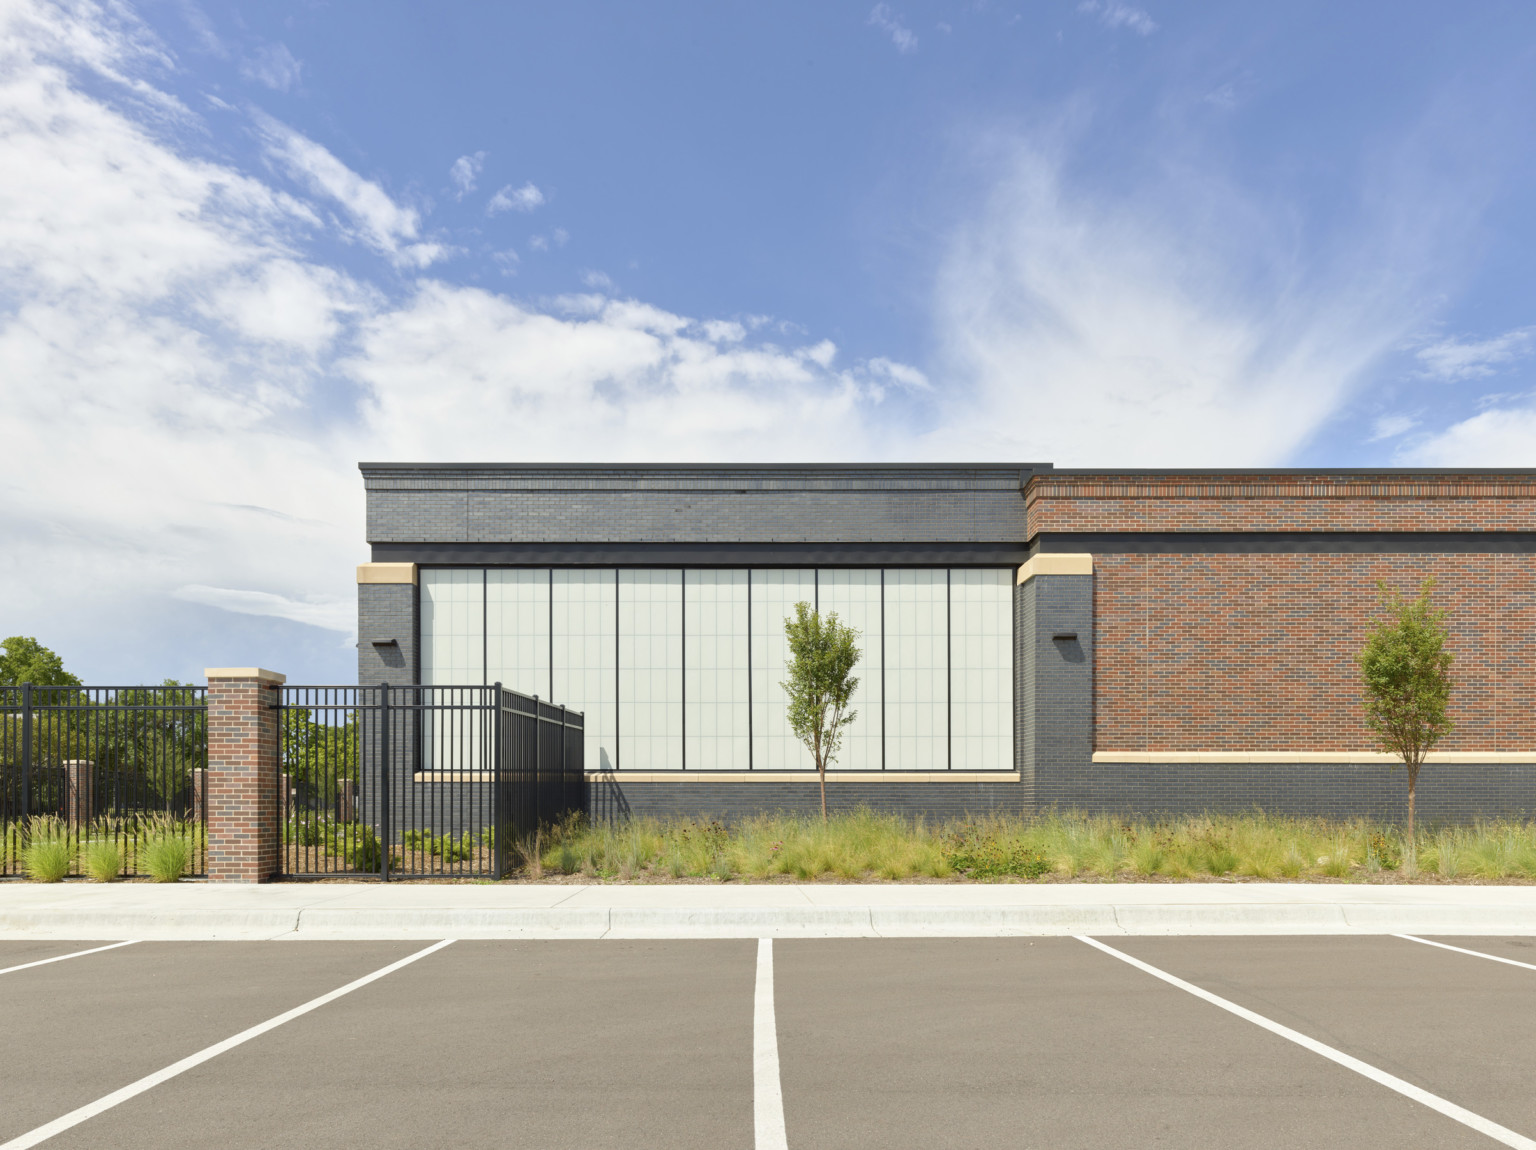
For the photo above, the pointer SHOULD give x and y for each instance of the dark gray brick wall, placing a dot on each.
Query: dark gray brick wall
(386, 611)
(1450, 793)
(724, 505)
(730, 802)
(1058, 721)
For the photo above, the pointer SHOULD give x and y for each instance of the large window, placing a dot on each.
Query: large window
(680, 669)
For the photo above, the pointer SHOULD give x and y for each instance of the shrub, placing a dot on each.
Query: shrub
(47, 859)
(103, 860)
(166, 857)
(995, 858)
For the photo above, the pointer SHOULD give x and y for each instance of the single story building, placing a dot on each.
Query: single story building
(1141, 642)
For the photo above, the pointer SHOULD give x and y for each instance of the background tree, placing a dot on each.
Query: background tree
(823, 653)
(27, 661)
(1406, 672)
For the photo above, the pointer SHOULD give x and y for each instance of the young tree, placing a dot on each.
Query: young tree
(823, 653)
(28, 661)
(1406, 671)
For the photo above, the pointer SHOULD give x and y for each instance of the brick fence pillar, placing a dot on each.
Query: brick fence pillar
(240, 790)
(79, 791)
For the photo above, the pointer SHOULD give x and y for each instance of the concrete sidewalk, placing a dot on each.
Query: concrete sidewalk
(811, 910)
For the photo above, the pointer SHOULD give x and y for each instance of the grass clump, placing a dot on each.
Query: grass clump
(47, 854)
(102, 860)
(166, 857)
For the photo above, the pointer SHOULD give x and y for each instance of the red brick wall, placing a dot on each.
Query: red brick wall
(1256, 651)
(1274, 502)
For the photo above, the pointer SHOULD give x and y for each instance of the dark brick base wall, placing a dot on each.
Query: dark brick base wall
(1456, 793)
(729, 802)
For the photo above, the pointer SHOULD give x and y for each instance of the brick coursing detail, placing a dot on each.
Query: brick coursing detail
(1256, 652)
(1270, 502)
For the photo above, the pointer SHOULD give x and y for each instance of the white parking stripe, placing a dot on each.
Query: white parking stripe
(1475, 1121)
(62, 957)
(767, 1091)
(1442, 946)
(150, 1081)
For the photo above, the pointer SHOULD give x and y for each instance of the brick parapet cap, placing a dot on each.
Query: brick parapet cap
(259, 674)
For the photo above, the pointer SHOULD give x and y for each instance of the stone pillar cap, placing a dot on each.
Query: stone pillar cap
(245, 673)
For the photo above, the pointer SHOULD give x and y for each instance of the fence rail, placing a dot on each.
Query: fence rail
(87, 765)
(420, 781)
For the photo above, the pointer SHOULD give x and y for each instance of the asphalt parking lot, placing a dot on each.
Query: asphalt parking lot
(1043, 1042)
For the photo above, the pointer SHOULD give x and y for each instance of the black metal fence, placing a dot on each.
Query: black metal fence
(93, 767)
(421, 781)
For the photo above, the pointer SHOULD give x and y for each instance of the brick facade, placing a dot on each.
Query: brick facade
(1255, 652)
(242, 783)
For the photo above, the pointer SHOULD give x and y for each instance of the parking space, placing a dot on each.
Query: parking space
(1041, 1042)
(1457, 1025)
(78, 1029)
(15, 954)
(1047, 1043)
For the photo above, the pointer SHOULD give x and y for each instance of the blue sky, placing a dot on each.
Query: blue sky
(244, 246)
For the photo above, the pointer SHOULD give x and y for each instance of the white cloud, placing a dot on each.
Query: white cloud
(510, 199)
(386, 226)
(1115, 15)
(1099, 331)
(185, 386)
(331, 614)
(464, 173)
(891, 24)
(1453, 359)
(598, 281)
(556, 238)
(1391, 426)
(1503, 436)
(273, 65)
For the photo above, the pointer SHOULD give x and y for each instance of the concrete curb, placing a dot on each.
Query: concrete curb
(855, 921)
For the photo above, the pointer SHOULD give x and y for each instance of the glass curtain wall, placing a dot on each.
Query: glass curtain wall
(716, 718)
(681, 669)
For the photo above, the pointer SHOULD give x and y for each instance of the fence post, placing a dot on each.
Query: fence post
(26, 751)
(240, 789)
(498, 804)
(384, 769)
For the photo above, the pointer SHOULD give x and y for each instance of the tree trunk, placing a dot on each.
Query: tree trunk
(1411, 855)
(821, 771)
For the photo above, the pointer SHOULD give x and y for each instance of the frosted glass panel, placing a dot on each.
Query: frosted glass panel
(715, 670)
(774, 595)
(916, 671)
(981, 676)
(585, 673)
(453, 627)
(517, 631)
(854, 594)
(650, 670)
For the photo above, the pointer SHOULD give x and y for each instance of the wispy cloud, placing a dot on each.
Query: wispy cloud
(1115, 15)
(388, 227)
(331, 614)
(1110, 330)
(555, 238)
(1453, 360)
(465, 172)
(510, 199)
(273, 65)
(883, 18)
(1391, 426)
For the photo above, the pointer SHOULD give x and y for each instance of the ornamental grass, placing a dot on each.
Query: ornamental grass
(866, 846)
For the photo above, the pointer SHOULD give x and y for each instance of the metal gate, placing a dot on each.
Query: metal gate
(420, 781)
